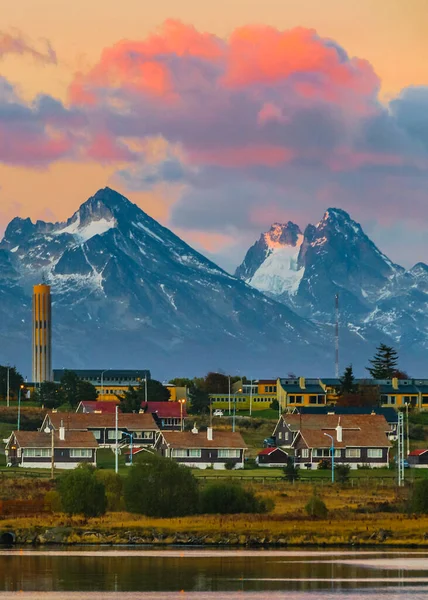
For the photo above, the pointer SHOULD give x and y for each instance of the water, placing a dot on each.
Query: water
(189, 574)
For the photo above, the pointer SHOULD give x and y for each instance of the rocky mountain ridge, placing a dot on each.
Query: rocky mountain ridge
(378, 298)
(128, 292)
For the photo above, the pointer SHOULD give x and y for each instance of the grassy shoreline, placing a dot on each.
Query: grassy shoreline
(359, 516)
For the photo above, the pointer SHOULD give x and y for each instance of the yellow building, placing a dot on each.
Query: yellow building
(251, 397)
(293, 393)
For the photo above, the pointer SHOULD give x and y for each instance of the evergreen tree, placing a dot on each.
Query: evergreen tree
(347, 382)
(15, 380)
(86, 391)
(384, 363)
(199, 401)
(69, 387)
(76, 390)
(216, 383)
(131, 400)
(49, 395)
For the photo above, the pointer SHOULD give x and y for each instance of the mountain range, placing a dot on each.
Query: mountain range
(129, 293)
(379, 300)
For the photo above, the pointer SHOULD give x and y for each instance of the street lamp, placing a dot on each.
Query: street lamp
(407, 428)
(332, 456)
(234, 409)
(8, 387)
(21, 387)
(145, 388)
(181, 401)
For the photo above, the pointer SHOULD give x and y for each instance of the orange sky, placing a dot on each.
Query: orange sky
(390, 34)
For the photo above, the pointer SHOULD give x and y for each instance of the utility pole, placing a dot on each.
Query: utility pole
(116, 461)
(52, 452)
(229, 396)
(145, 388)
(251, 398)
(400, 449)
(8, 387)
(336, 336)
(407, 430)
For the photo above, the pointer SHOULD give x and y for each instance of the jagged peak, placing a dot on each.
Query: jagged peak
(283, 234)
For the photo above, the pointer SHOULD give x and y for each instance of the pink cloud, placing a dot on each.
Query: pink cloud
(104, 149)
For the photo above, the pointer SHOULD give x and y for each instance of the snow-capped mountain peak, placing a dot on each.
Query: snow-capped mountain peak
(271, 265)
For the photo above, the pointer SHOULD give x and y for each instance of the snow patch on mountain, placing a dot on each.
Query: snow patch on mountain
(86, 231)
(279, 273)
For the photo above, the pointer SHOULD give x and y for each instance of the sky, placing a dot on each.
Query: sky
(219, 119)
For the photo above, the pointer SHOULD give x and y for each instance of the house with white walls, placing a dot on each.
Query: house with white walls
(355, 440)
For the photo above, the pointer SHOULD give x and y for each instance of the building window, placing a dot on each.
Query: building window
(227, 453)
(337, 453)
(286, 436)
(374, 453)
(147, 435)
(37, 452)
(195, 453)
(424, 399)
(179, 453)
(97, 433)
(321, 452)
(392, 400)
(111, 434)
(299, 399)
(305, 453)
(312, 399)
(80, 453)
(279, 435)
(353, 453)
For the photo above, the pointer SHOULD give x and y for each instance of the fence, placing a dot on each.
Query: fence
(11, 508)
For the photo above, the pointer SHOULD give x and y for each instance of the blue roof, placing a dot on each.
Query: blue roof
(390, 414)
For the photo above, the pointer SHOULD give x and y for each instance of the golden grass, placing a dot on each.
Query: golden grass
(288, 521)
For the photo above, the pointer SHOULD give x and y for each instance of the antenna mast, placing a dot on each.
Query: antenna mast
(336, 336)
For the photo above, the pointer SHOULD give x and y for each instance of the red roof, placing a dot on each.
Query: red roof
(268, 451)
(417, 452)
(165, 410)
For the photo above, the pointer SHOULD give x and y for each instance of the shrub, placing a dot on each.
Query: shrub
(113, 486)
(251, 463)
(419, 497)
(229, 465)
(324, 464)
(316, 508)
(161, 488)
(81, 493)
(342, 473)
(53, 501)
(274, 405)
(291, 472)
(230, 498)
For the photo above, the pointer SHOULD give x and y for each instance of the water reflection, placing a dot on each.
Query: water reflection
(204, 571)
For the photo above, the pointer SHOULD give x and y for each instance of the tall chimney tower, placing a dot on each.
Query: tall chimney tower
(42, 334)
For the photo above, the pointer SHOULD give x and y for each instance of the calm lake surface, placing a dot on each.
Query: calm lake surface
(107, 574)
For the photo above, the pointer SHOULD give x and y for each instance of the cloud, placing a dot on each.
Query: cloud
(16, 43)
(34, 134)
(264, 125)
